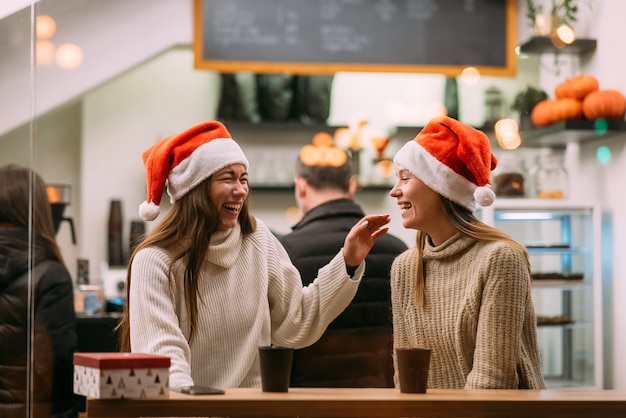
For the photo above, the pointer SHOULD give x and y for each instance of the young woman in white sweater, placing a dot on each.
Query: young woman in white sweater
(211, 283)
(465, 289)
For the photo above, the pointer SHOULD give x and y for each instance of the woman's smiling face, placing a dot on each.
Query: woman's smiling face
(420, 205)
(229, 189)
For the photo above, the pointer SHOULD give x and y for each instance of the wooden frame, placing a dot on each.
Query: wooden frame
(227, 66)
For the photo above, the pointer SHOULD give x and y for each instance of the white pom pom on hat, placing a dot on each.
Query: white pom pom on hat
(185, 160)
(148, 211)
(453, 159)
(484, 195)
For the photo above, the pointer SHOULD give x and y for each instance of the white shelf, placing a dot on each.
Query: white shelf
(539, 204)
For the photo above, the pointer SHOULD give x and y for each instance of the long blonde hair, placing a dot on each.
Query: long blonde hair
(183, 234)
(467, 224)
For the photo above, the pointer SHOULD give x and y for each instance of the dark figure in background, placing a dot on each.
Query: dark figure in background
(312, 98)
(238, 98)
(356, 349)
(251, 97)
(52, 317)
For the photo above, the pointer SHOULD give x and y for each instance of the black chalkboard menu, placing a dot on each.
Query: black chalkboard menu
(327, 36)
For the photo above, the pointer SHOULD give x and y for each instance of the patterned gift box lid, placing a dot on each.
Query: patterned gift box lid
(121, 360)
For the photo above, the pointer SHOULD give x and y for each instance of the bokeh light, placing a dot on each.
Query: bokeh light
(45, 27)
(293, 215)
(69, 56)
(566, 34)
(603, 155)
(470, 75)
(601, 126)
(44, 52)
(512, 142)
(385, 168)
(343, 137)
(505, 127)
(507, 134)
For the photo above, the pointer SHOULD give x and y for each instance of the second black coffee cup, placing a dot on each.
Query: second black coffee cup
(275, 364)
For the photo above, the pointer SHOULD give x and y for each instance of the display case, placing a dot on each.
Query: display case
(563, 242)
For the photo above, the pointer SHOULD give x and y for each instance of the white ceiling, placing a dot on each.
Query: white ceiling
(115, 36)
(8, 7)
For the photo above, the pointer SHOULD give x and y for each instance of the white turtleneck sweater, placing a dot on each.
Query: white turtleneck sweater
(250, 295)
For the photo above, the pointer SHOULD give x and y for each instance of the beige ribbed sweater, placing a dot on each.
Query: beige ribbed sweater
(479, 319)
(251, 295)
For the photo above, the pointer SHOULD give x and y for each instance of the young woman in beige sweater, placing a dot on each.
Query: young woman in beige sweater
(464, 290)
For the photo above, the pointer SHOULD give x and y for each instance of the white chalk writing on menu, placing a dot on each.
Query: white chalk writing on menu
(394, 32)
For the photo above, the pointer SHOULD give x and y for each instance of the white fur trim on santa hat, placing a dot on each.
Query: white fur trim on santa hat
(436, 175)
(205, 160)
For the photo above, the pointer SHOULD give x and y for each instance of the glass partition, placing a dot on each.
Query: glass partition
(36, 295)
(16, 146)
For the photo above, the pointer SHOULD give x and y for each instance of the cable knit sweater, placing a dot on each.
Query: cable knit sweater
(250, 295)
(479, 318)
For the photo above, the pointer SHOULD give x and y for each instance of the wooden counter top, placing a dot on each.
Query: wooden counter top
(332, 402)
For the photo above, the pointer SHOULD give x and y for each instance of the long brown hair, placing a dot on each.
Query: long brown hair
(468, 224)
(21, 189)
(183, 233)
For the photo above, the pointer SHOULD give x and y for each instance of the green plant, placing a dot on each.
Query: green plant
(565, 10)
(526, 100)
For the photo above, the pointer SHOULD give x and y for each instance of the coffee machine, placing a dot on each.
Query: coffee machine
(59, 196)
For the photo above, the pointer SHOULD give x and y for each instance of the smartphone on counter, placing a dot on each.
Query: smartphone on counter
(199, 390)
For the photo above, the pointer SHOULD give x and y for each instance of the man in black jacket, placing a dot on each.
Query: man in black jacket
(356, 349)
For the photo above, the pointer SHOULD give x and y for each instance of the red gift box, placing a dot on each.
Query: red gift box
(121, 375)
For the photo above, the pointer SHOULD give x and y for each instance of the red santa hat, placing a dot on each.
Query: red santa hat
(184, 161)
(453, 159)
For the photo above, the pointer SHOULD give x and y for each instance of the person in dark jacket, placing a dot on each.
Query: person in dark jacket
(37, 317)
(356, 349)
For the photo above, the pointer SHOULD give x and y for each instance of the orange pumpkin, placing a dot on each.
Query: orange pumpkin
(541, 114)
(607, 104)
(566, 108)
(322, 139)
(577, 87)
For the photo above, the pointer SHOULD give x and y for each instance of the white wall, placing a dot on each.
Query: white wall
(606, 183)
(413, 99)
(120, 120)
(52, 147)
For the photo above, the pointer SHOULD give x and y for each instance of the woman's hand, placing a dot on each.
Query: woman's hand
(362, 236)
